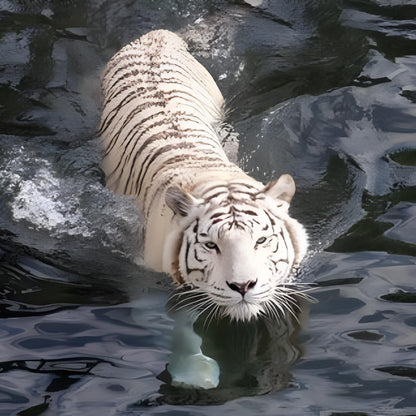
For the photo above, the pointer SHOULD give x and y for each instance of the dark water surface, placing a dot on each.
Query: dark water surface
(323, 90)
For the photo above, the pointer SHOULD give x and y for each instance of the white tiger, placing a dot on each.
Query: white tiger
(215, 229)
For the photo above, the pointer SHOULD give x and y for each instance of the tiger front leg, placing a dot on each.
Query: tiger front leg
(188, 366)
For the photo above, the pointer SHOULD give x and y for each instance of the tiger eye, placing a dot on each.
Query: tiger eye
(211, 245)
(261, 240)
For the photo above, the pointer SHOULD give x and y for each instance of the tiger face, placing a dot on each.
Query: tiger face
(238, 248)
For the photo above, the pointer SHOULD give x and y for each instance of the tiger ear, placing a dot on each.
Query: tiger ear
(179, 201)
(283, 188)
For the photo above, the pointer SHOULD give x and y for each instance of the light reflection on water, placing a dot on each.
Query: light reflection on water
(322, 90)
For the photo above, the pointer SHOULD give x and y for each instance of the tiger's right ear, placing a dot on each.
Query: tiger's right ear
(179, 201)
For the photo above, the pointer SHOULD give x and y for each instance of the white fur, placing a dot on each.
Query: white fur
(161, 113)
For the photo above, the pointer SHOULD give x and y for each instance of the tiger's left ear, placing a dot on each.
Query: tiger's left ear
(283, 188)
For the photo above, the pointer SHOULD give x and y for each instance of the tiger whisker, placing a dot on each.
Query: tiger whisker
(285, 311)
(290, 304)
(304, 296)
(186, 296)
(288, 298)
(183, 303)
(196, 306)
(259, 294)
(281, 298)
(274, 315)
(299, 292)
(211, 315)
(294, 314)
(190, 302)
(296, 284)
(277, 306)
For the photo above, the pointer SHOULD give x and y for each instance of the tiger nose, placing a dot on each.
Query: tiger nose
(242, 288)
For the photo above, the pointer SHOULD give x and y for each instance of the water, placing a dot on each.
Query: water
(323, 90)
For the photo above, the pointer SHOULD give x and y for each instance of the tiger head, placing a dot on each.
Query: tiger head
(237, 248)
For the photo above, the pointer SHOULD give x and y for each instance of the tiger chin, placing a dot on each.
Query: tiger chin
(225, 238)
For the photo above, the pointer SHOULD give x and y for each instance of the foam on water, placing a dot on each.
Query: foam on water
(37, 197)
(38, 201)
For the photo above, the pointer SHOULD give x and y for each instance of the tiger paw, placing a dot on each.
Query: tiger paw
(194, 371)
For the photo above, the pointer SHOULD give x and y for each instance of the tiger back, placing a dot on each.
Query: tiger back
(207, 223)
